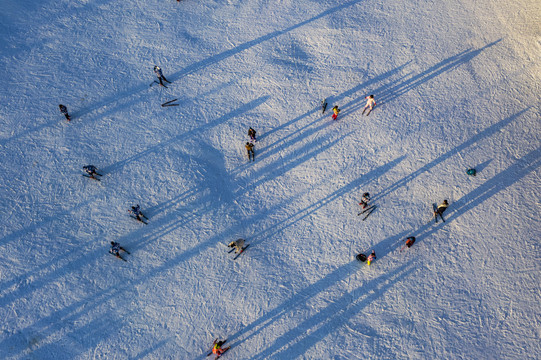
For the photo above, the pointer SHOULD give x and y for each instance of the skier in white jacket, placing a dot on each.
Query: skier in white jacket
(370, 103)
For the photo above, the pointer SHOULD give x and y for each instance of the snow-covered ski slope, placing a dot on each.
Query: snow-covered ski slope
(457, 85)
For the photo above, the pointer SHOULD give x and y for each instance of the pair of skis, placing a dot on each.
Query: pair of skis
(367, 211)
(120, 257)
(170, 103)
(236, 256)
(156, 82)
(92, 176)
(140, 219)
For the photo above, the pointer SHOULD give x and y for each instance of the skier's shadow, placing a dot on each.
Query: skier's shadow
(249, 44)
(389, 92)
(338, 194)
(474, 139)
(521, 168)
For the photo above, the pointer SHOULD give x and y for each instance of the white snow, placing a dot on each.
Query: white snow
(457, 85)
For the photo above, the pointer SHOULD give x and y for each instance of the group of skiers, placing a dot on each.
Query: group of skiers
(239, 245)
(438, 211)
(370, 103)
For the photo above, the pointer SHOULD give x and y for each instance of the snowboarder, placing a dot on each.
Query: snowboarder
(64, 111)
(370, 103)
(441, 209)
(251, 134)
(217, 348)
(91, 171)
(364, 200)
(237, 245)
(116, 249)
(250, 149)
(371, 257)
(160, 76)
(335, 111)
(136, 211)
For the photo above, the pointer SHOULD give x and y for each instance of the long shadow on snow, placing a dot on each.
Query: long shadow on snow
(68, 315)
(335, 99)
(63, 317)
(337, 194)
(521, 168)
(474, 139)
(249, 44)
(390, 92)
(330, 318)
(300, 339)
(31, 228)
(196, 131)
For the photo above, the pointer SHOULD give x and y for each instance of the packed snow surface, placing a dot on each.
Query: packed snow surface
(457, 86)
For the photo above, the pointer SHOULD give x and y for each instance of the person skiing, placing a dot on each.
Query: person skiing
(136, 211)
(92, 171)
(64, 111)
(116, 249)
(250, 148)
(441, 209)
(371, 257)
(370, 103)
(410, 241)
(217, 348)
(364, 200)
(251, 134)
(159, 74)
(237, 245)
(335, 111)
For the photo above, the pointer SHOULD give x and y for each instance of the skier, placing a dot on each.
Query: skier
(335, 111)
(64, 111)
(441, 209)
(91, 170)
(410, 241)
(136, 211)
(251, 134)
(250, 149)
(238, 245)
(370, 103)
(116, 249)
(371, 257)
(365, 199)
(217, 348)
(160, 76)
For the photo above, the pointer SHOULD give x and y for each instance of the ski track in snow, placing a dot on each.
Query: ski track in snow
(456, 86)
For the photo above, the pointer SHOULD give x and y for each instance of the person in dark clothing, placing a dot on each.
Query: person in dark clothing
(116, 249)
(64, 111)
(410, 241)
(159, 74)
(250, 149)
(441, 209)
(251, 134)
